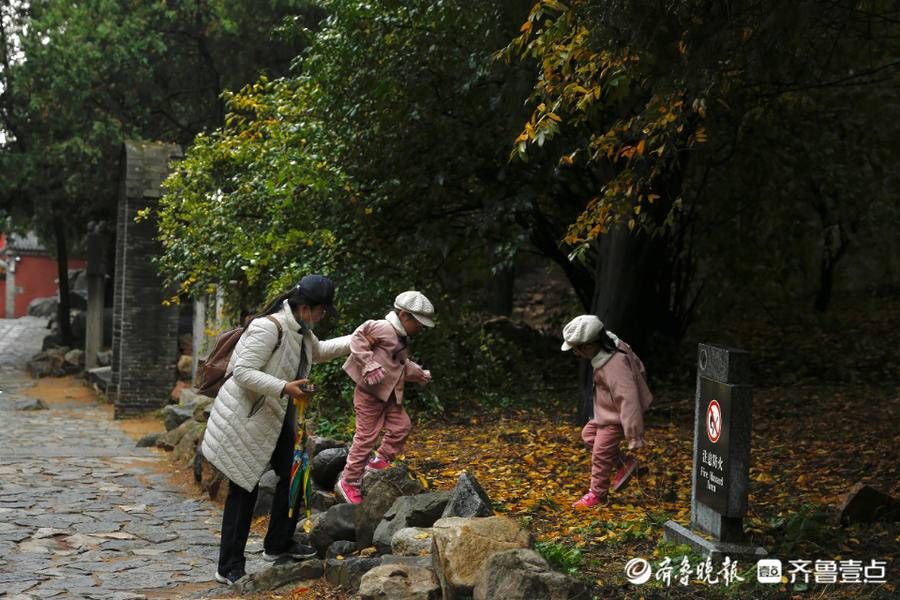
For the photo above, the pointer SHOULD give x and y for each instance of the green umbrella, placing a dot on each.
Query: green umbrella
(301, 467)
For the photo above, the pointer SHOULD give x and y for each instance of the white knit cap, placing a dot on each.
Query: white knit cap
(416, 304)
(581, 330)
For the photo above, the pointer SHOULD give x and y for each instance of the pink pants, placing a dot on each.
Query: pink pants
(603, 442)
(373, 415)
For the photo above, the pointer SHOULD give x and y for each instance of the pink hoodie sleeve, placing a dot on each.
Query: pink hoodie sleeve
(414, 373)
(361, 342)
(627, 397)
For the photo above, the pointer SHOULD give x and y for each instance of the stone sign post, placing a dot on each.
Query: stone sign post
(96, 280)
(145, 332)
(721, 467)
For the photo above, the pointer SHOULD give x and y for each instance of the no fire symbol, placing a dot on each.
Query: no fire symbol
(713, 421)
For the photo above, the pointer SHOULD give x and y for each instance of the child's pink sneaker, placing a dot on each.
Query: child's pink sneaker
(624, 474)
(349, 492)
(589, 500)
(377, 463)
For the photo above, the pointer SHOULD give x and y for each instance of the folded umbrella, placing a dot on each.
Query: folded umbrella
(300, 469)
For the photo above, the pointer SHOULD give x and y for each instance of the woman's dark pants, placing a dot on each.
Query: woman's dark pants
(240, 503)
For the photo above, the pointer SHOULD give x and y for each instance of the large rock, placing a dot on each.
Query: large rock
(341, 548)
(171, 438)
(348, 572)
(468, 499)
(380, 489)
(74, 360)
(399, 582)
(174, 415)
(43, 307)
(186, 447)
(30, 404)
(185, 366)
(865, 504)
(461, 545)
(189, 397)
(203, 409)
(191, 405)
(207, 476)
(266, 494)
(281, 573)
(410, 561)
(50, 362)
(99, 377)
(200, 404)
(523, 574)
(104, 358)
(317, 444)
(38, 369)
(322, 499)
(411, 541)
(421, 510)
(336, 524)
(327, 466)
(149, 441)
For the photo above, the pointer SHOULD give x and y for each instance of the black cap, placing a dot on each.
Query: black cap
(318, 289)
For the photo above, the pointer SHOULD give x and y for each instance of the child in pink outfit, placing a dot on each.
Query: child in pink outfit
(621, 396)
(379, 365)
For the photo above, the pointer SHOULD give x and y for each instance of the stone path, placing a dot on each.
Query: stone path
(83, 512)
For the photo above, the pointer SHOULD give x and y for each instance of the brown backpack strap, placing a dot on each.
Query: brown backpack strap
(280, 331)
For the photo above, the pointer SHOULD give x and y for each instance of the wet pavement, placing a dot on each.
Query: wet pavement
(83, 512)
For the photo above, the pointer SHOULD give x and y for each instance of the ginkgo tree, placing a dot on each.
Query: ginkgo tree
(651, 103)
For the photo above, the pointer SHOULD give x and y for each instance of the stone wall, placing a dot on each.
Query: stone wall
(145, 332)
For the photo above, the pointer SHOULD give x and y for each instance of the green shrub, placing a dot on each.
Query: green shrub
(562, 558)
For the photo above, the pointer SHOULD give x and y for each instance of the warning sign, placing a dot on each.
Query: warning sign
(713, 444)
(713, 421)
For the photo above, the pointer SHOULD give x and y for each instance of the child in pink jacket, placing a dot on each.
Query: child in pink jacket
(621, 396)
(379, 365)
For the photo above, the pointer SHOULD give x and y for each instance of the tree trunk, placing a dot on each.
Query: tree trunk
(500, 284)
(628, 297)
(547, 243)
(62, 262)
(826, 283)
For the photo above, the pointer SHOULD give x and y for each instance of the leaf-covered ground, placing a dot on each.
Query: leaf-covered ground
(826, 400)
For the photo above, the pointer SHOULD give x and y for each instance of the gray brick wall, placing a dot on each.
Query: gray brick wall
(113, 387)
(145, 333)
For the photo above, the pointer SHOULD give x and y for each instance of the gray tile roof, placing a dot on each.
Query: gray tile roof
(24, 243)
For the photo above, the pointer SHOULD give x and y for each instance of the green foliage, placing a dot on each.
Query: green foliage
(677, 552)
(77, 78)
(395, 176)
(561, 558)
(340, 428)
(397, 185)
(808, 528)
(232, 213)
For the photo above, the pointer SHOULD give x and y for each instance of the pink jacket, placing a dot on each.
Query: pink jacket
(621, 394)
(377, 343)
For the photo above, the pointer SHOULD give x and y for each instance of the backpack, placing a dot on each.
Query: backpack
(212, 372)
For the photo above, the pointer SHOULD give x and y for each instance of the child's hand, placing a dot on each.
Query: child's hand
(427, 375)
(375, 376)
(635, 444)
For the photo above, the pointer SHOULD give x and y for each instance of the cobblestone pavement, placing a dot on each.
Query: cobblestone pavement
(83, 512)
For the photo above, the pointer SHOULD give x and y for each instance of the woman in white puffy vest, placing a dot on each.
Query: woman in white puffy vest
(253, 420)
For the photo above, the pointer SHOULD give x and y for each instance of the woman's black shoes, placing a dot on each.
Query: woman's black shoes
(232, 577)
(296, 551)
